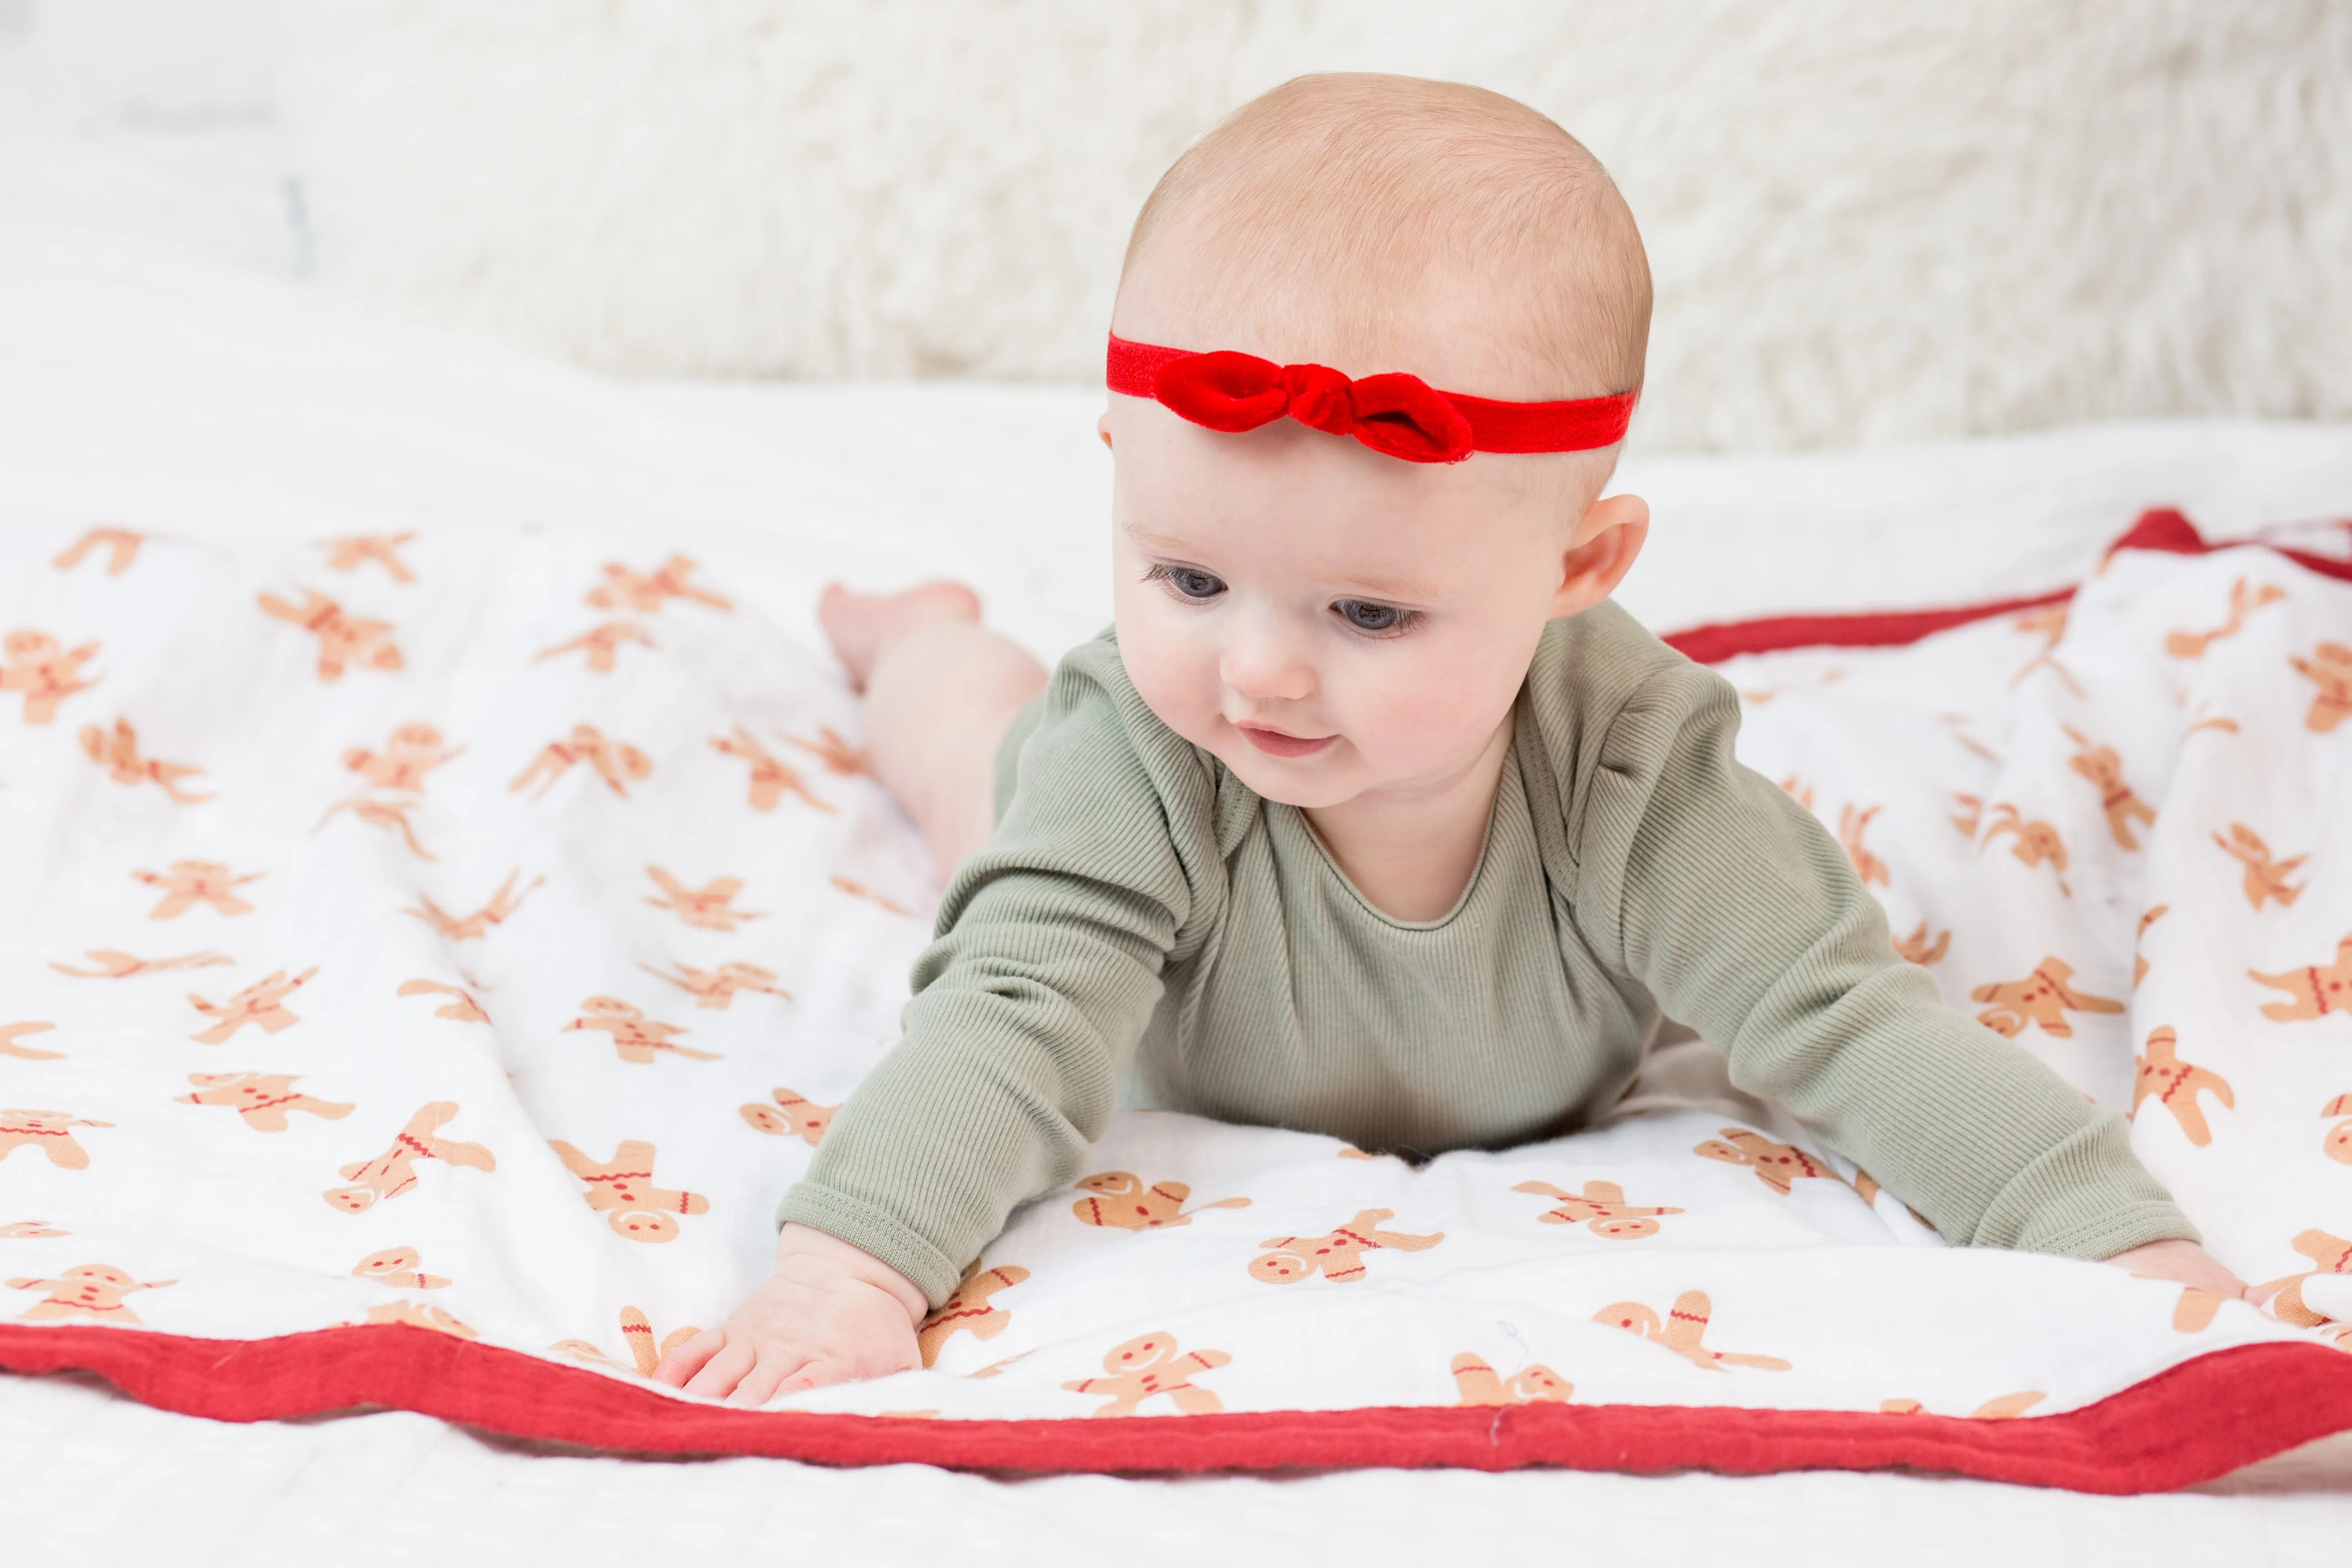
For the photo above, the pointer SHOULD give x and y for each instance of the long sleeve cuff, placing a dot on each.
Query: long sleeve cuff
(874, 1231)
(2087, 1196)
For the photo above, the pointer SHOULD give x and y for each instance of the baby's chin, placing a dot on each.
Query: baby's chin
(1330, 777)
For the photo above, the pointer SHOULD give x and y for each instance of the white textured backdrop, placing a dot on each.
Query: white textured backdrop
(1869, 222)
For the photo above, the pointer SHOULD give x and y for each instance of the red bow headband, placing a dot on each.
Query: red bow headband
(1400, 414)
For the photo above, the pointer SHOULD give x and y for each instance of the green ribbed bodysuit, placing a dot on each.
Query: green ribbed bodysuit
(1139, 909)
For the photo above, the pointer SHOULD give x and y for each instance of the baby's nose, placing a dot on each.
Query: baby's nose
(1264, 665)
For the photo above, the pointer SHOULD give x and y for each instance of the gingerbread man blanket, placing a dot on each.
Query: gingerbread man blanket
(427, 959)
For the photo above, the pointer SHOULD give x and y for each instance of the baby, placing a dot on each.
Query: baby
(1373, 816)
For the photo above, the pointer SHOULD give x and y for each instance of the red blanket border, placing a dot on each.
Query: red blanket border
(2190, 1423)
(2160, 528)
(2196, 1420)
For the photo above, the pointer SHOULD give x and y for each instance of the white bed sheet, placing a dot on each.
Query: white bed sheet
(162, 365)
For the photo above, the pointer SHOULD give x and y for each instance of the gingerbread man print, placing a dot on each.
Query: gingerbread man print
(832, 749)
(29, 1230)
(10, 1034)
(2316, 991)
(122, 547)
(118, 753)
(2043, 997)
(2329, 668)
(1478, 1383)
(394, 1172)
(412, 750)
(1337, 1254)
(2328, 1254)
(1602, 1208)
(647, 593)
(1918, 948)
(2104, 768)
(35, 664)
(1851, 824)
(2266, 878)
(1149, 1366)
(1970, 815)
(794, 1117)
(968, 1309)
(2245, 598)
(344, 640)
(2176, 1084)
(115, 966)
(717, 987)
(2049, 623)
(615, 762)
(771, 778)
(637, 1333)
(50, 1132)
(1779, 1166)
(2337, 1145)
(1122, 1202)
(1684, 1332)
(860, 891)
(89, 1291)
(636, 1038)
(263, 1099)
(262, 1003)
(2195, 1311)
(463, 1008)
(2139, 936)
(708, 908)
(623, 1190)
(347, 554)
(418, 1315)
(2037, 842)
(503, 906)
(192, 882)
(389, 814)
(398, 1265)
(600, 644)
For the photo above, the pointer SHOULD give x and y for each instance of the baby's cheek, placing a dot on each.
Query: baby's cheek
(1176, 679)
(1412, 719)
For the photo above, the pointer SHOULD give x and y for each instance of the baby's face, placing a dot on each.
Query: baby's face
(1327, 621)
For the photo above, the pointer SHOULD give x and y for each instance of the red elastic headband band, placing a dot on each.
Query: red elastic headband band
(1400, 414)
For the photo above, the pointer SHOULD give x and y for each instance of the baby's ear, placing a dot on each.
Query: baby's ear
(1102, 428)
(1600, 551)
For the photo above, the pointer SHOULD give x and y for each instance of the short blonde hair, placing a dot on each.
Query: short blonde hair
(1361, 212)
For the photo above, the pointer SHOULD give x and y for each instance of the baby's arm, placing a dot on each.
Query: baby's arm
(1738, 912)
(1027, 1009)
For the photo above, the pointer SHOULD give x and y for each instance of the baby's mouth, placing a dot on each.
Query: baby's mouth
(1277, 744)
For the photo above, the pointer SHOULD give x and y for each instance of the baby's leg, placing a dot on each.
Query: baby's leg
(941, 690)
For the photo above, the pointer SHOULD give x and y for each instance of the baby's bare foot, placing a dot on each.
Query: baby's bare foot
(860, 625)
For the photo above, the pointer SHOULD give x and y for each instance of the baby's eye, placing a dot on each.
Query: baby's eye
(1366, 616)
(1189, 581)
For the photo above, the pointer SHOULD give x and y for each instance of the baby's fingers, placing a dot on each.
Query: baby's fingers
(719, 1375)
(691, 1357)
(818, 1373)
(764, 1380)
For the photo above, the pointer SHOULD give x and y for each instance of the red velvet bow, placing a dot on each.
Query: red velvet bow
(1400, 414)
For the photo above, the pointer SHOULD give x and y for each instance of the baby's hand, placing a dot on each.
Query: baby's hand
(2184, 1262)
(829, 1313)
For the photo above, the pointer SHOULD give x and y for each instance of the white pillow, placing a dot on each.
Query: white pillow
(1868, 222)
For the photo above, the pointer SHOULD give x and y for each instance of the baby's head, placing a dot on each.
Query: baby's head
(1286, 583)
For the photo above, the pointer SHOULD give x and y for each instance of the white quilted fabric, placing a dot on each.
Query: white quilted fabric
(474, 932)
